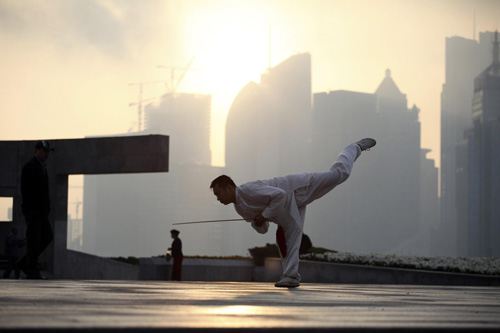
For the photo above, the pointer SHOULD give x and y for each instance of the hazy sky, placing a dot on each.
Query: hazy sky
(66, 65)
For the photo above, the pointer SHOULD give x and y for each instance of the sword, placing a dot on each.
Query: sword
(193, 222)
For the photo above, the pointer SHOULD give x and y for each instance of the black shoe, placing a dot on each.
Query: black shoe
(366, 144)
(287, 282)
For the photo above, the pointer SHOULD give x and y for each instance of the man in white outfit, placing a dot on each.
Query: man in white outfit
(283, 200)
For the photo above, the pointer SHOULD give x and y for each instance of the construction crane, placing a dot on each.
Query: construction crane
(171, 85)
(140, 101)
(175, 82)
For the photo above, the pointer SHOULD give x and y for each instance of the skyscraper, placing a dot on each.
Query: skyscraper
(131, 215)
(186, 119)
(465, 59)
(268, 130)
(478, 181)
(379, 208)
(268, 124)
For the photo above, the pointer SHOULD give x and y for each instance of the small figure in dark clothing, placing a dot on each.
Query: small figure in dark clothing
(12, 245)
(36, 208)
(177, 255)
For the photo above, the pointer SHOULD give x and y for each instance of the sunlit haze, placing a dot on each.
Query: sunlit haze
(66, 65)
(199, 70)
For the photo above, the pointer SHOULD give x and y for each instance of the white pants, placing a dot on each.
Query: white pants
(321, 183)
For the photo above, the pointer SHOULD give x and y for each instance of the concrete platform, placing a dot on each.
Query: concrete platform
(153, 306)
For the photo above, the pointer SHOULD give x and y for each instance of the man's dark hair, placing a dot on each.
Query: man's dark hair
(223, 181)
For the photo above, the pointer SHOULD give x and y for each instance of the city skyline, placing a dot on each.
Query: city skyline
(274, 112)
(67, 64)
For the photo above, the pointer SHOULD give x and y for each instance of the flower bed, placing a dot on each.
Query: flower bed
(472, 265)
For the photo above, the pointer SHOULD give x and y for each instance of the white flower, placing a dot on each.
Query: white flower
(475, 265)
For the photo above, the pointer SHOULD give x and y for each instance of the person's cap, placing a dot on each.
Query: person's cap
(175, 232)
(43, 144)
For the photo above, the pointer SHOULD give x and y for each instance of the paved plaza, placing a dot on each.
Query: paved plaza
(140, 306)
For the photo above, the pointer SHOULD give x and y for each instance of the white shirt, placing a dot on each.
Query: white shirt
(274, 198)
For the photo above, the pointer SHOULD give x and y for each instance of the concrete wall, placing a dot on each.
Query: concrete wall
(83, 266)
(311, 272)
(194, 269)
(321, 272)
(124, 154)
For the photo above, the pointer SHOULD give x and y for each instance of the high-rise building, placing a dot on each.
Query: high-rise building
(268, 124)
(379, 209)
(478, 181)
(429, 201)
(268, 130)
(186, 119)
(131, 215)
(465, 59)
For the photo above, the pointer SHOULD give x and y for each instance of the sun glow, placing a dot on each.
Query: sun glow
(230, 45)
(236, 310)
(230, 42)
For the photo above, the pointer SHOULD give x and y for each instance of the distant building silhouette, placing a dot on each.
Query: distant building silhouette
(465, 59)
(429, 201)
(268, 124)
(268, 130)
(131, 215)
(478, 165)
(380, 208)
(186, 119)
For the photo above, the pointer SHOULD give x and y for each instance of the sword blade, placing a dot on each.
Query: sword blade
(193, 222)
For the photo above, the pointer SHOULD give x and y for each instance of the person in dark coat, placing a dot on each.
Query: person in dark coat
(36, 208)
(177, 255)
(12, 245)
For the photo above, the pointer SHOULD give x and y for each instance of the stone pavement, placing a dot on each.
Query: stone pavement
(152, 306)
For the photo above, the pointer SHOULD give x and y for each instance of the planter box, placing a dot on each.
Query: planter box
(323, 272)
